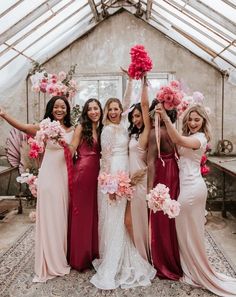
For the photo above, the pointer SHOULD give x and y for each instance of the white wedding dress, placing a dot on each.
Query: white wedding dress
(120, 264)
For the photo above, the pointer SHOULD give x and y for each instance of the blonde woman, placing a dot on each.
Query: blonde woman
(193, 193)
(120, 264)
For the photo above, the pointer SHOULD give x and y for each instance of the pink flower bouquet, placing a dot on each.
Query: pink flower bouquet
(119, 184)
(170, 95)
(159, 199)
(140, 62)
(48, 130)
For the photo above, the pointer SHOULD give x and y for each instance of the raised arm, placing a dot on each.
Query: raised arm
(175, 136)
(76, 139)
(143, 138)
(128, 91)
(26, 128)
(151, 157)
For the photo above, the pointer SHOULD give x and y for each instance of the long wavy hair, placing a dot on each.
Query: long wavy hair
(86, 123)
(106, 120)
(172, 114)
(49, 110)
(200, 110)
(133, 128)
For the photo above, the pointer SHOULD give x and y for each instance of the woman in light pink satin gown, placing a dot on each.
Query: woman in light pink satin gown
(193, 193)
(136, 218)
(52, 195)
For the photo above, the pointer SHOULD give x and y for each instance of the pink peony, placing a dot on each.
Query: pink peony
(171, 208)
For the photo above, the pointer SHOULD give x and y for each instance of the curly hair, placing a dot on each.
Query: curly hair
(86, 123)
(200, 110)
(172, 114)
(49, 110)
(133, 128)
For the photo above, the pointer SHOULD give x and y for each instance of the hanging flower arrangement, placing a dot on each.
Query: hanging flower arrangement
(140, 62)
(61, 84)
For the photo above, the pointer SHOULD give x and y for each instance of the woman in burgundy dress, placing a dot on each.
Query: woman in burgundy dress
(163, 238)
(83, 212)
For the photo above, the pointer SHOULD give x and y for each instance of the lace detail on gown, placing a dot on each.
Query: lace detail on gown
(120, 264)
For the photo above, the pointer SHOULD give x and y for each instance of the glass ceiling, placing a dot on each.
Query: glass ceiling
(35, 30)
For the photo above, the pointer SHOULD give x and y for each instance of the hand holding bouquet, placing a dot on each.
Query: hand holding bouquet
(118, 184)
(159, 199)
(48, 130)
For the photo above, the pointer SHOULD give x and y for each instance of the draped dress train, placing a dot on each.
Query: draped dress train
(190, 225)
(120, 263)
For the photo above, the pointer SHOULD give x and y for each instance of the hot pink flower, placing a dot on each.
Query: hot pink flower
(140, 62)
(205, 170)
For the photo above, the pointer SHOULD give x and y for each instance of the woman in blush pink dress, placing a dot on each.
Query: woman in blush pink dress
(163, 237)
(136, 218)
(83, 213)
(193, 193)
(52, 195)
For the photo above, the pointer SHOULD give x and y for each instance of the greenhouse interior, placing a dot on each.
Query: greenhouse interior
(117, 148)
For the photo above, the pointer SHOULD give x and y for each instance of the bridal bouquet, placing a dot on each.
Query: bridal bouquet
(48, 130)
(159, 199)
(119, 184)
(30, 180)
(170, 95)
(140, 62)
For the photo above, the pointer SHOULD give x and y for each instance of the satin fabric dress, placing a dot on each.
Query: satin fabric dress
(139, 210)
(164, 243)
(190, 225)
(120, 264)
(52, 214)
(83, 212)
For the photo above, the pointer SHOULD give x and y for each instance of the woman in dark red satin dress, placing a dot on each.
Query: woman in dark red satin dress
(83, 212)
(163, 238)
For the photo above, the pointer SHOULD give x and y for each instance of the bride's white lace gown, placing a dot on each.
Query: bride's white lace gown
(120, 264)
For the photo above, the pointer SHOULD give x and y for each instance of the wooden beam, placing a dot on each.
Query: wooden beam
(94, 10)
(149, 9)
(213, 15)
(28, 19)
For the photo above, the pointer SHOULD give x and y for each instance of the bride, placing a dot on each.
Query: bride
(120, 264)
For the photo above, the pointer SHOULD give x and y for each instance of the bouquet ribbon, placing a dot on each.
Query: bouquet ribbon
(158, 137)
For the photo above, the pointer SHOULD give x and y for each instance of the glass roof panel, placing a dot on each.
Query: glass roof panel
(17, 13)
(6, 4)
(50, 24)
(9, 55)
(222, 8)
(187, 28)
(55, 34)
